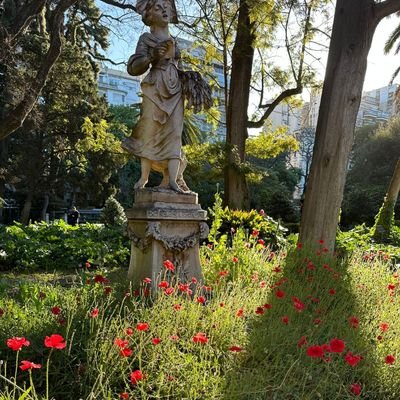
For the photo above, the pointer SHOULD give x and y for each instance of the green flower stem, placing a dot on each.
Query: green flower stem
(47, 375)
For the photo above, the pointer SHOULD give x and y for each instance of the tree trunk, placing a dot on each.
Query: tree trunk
(26, 211)
(46, 199)
(235, 186)
(385, 218)
(353, 28)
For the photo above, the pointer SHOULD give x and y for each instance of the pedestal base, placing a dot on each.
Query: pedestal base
(164, 225)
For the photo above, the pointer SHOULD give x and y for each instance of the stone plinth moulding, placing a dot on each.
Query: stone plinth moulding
(164, 225)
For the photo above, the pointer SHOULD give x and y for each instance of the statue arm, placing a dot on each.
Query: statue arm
(139, 62)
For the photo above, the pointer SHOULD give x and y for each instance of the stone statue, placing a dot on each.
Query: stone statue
(157, 137)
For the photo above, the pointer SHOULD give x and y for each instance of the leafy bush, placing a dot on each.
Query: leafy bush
(61, 246)
(226, 221)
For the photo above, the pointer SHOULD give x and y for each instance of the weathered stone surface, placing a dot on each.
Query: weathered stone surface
(162, 231)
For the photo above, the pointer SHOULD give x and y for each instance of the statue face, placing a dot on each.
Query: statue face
(161, 13)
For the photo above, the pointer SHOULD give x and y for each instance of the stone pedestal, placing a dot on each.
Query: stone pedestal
(164, 225)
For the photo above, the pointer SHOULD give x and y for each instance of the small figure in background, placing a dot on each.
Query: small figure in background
(73, 216)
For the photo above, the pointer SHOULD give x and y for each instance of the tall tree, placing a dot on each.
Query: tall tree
(353, 29)
(385, 218)
(244, 32)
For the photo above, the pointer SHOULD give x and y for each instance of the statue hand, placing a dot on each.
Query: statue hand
(160, 50)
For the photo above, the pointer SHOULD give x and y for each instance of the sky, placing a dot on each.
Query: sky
(381, 66)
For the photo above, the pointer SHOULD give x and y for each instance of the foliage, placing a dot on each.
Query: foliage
(113, 213)
(373, 161)
(58, 245)
(225, 222)
(361, 238)
(256, 318)
(271, 181)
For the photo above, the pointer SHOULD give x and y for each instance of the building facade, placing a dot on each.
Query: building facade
(119, 87)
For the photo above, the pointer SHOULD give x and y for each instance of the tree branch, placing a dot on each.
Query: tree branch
(102, 58)
(16, 117)
(386, 8)
(25, 16)
(284, 95)
(123, 5)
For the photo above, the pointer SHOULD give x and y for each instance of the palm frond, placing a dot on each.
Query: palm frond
(393, 38)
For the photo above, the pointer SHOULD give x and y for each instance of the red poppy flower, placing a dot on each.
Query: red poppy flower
(336, 346)
(261, 241)
(142, 326)
(126, 352)
(156, 341)
(267, 306)
(200, 337)
(317, 321)
(163, 284)
(201, 299)
(285, 320)
(321, 241)
(174, 338)
(129, 331)
(302, 342)
(94, 313)
(56, 310)
(136, 376)
(147, 280)
(354, 322)
(240, 312)
(121, 343)
(389, 359)
(355, 388)
(260, 310)
(384, 326)
(124, 396)
(332, 291)
(16, 343)
(223, 273)
(177, 307)
(29, 365)
(100, 279)
(298, 305)
(169, 291)
(263, 284)
(1, 312)
(169, 266)
(277, 269)
(299, 246)
(255, 233)
(391, 286)
(315, 351)
(352, 359)
(280, 294)
(235, 259)
(235, 349)
(55, 341)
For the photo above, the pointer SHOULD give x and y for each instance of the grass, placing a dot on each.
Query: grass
(253, 311)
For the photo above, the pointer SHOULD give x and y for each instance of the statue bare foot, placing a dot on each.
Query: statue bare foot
(174, 186)
(140, 184)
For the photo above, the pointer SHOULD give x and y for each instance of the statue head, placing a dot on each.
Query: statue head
(157, 11)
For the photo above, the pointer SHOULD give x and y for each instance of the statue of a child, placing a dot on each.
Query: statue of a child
(157, 137)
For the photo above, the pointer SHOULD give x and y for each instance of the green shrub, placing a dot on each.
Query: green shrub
(113, 213)
(58, 245)
(226, 221)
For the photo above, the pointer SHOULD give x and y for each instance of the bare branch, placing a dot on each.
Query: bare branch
(385, 8)
(123, 5)
(102, 58)
(284, 95)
